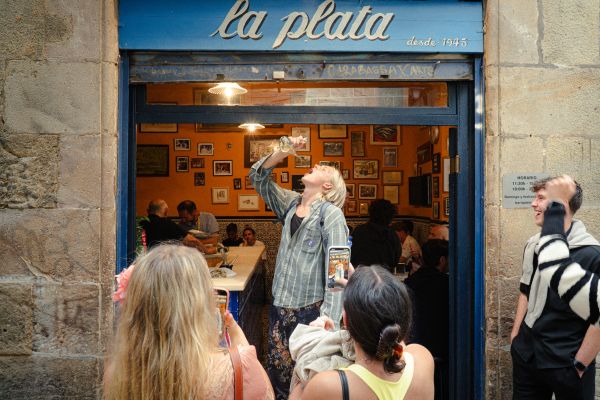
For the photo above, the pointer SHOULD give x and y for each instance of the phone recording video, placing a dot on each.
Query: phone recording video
(338, 262)
(222, 302)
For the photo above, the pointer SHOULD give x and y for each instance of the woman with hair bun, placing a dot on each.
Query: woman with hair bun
(377, 314)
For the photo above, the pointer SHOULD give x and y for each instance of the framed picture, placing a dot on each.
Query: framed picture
(385, 135)
(256, 147)
(367, 192)
(392, 177)
(297, 185)
(302, 161)
(222, 168)
(217, 127)
(182, 164)
(248, 183)
(206, 149)
(152, 160)
(345, 174)
(351, 206)
(285, 177)
(220, 195)
(436, 210)
(157, 128)
(390, 193)
(237, 183)
(350, 190)
(363, 208)
(182, 144)
(333, 149)
(446, 206)
(303, 131)
(446, 175)
(248, 202)
(357, 144)
(366, 169)
(390, 157)
(203, 97)
(332, 132)
(197, 162)
(435, 186)
(424, 153)
(199, 179)
(334, 164)
(435, 163)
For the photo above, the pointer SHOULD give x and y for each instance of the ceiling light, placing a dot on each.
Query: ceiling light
(227, 89)
(251, 126)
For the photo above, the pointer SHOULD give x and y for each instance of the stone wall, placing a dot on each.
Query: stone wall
(58, 132)
(542, 71)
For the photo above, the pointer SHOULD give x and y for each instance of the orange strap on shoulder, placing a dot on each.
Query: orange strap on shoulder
(238, 377)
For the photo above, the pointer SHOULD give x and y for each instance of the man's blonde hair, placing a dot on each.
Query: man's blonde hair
(167, 329)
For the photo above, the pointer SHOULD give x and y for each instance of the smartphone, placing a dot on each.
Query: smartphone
(338, 263)
(222, 302)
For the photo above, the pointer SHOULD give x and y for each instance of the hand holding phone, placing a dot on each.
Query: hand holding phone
(222, 302)
(338, 263)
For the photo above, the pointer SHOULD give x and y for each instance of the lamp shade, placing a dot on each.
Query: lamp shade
(227, 89)
(251, 126)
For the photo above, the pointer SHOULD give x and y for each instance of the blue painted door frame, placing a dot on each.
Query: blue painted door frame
(466, 360)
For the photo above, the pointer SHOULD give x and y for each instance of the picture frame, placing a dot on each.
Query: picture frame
(357, 143)
(258, 146)
(285, 177)
(248, 183)
(237, 183)
(435, 187)
(204, 98)
(182, 164)
(367, 191)
(199, 179)
(333, 149)
(351, 206)
(363, 208)
(297, 185)
(436, 163)
(436, 210)
(248, 202)
(182, 144)
(446, 206)
(301, 161)
(391, 193)
(385, 135)
(346, 174)
(152, 160)
(424, 153)
(334, 164)
(446, 175)
(366, 169)
(197, 162)
(206, 149)
(392, 177)
(220, 195)
(303, 131)
(222, 168)
(145, 127)
(200, 127)
(350, 190)
(390, 157)
(333, 131)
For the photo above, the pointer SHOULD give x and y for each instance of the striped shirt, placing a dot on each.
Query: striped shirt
(300, 271)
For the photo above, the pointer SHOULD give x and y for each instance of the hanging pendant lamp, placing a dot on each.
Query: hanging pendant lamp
(251, 126)
(227, 89)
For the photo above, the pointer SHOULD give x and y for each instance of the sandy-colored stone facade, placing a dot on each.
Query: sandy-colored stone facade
(58, 163)
(542, 71)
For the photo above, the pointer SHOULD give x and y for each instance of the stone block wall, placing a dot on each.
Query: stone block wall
(58, 134)
(542, 71)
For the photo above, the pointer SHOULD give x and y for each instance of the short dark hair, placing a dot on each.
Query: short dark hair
(433, 250)
(186, 205)
(231, 228)
(378, 314)
(404, 226)
(381, 212)
(574, 203)
(247, 228)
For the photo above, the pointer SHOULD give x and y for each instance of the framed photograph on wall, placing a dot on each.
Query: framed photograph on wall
(367, 191)
(350, 190)
(332, 132)
(357, 144)
(248, 202)
(222, 168)
(363, 208)
(333, 149)
(435, 163)
(302, 161)
(390, 193)
(390, 157)
(199, 179)
(435, 186)
(303, 131)
(424, 153)
(345, 174)
(220, 195)
(392, 177)
(237, 183)
(366, 169)
(446, 206)
(182, 144)
(197, 162)
(334, 164)
(152, 160)
(351, 206)
(206, 149)
(436, 210)
(285, 177)
(182, 164)
(248, 183)
(258, 146)
(297, 185)
(385, 135)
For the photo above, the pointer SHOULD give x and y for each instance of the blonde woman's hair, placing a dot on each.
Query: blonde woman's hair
(337, 193)
(167, 329)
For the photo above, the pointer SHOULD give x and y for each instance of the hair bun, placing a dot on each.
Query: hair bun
(388, 340)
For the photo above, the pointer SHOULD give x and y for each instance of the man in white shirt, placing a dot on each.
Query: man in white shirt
(249, 236)
(410, 246)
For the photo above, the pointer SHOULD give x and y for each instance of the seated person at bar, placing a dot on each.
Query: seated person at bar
(249, 235)
(192, 219)
(375, 242)
(159, 228)
(232, 236)
(409, 244)
(439, 232)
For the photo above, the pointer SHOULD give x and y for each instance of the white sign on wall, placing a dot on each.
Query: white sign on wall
(516, 189)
